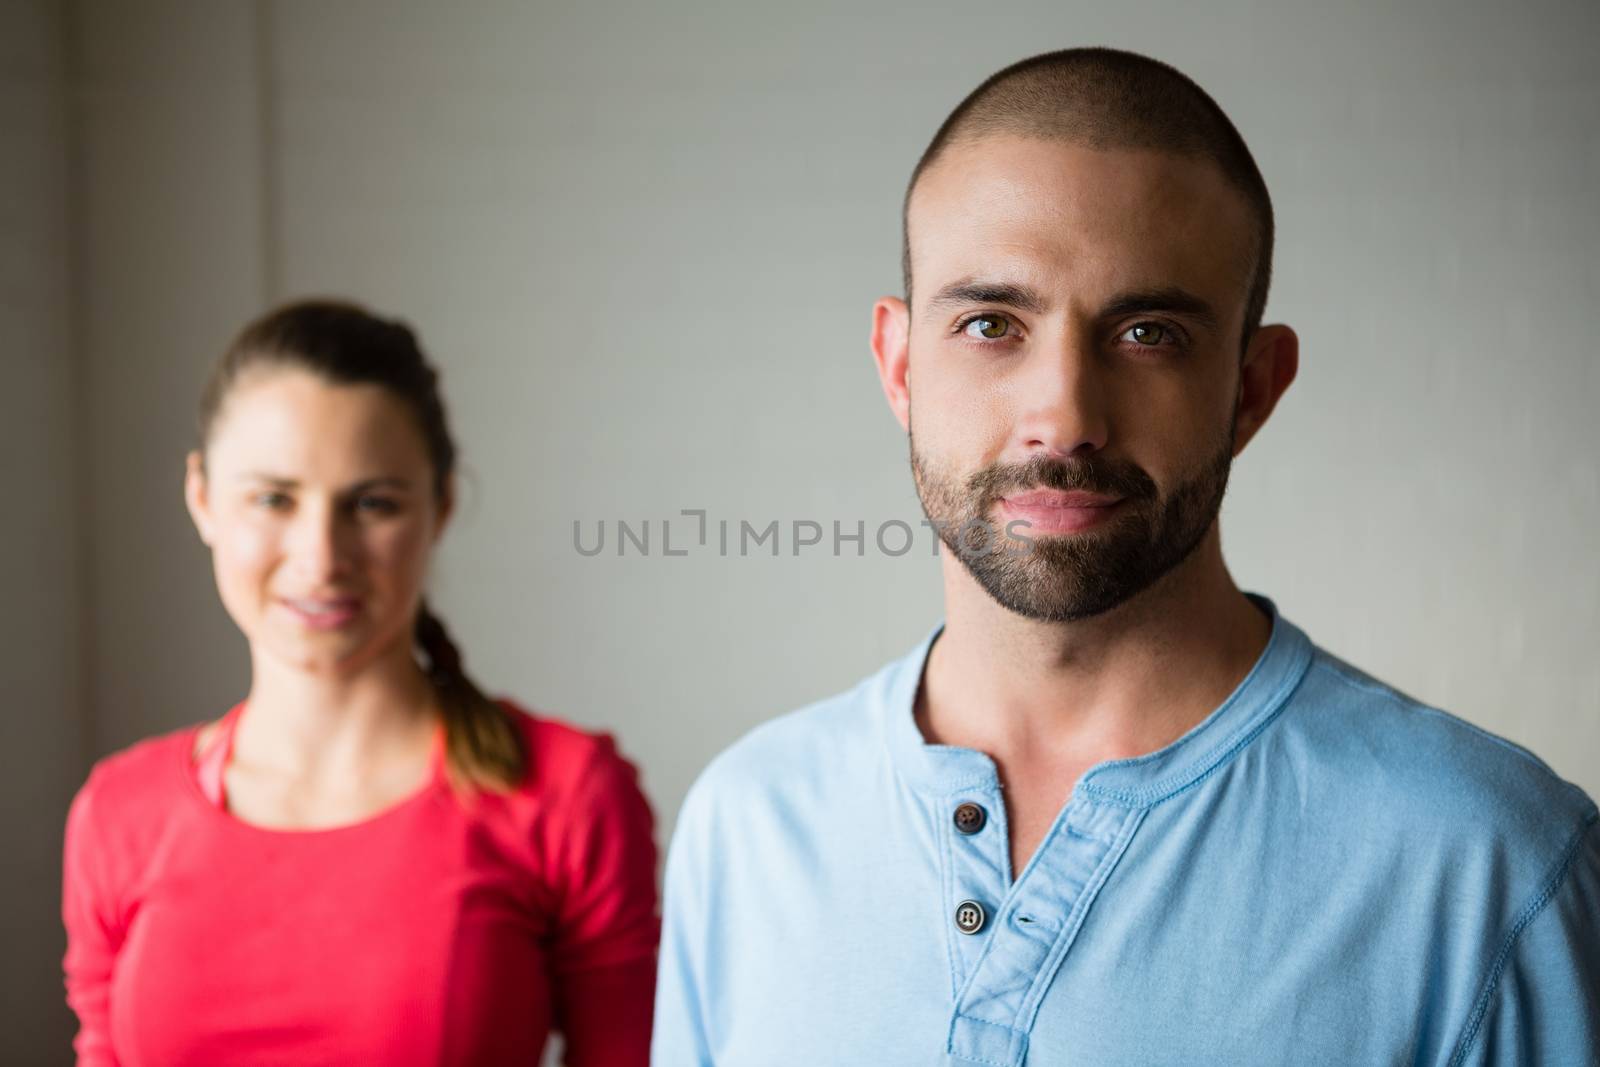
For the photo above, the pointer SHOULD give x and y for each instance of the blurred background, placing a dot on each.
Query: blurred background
(642, 242)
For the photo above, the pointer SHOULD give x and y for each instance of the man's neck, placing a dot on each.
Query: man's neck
(1120, 684)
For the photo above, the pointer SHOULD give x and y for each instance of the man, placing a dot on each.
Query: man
(1113, 810)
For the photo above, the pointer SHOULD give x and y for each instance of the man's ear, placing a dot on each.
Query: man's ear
(1270, 364)
(195, 496)
(891, 349)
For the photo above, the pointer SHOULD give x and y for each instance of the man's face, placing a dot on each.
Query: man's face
(1073, 364)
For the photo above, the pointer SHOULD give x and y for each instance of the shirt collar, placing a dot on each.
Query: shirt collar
(1135, 782)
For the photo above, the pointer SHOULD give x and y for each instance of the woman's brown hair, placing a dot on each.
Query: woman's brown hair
(345, 344)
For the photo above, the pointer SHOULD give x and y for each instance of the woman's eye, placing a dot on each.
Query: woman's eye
(1149, 334)
(987, 327)
(376, 505)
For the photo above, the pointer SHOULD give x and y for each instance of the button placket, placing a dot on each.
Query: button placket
(1030, 931)
(973, 828)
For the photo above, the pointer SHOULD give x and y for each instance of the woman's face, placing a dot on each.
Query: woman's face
(317, 501)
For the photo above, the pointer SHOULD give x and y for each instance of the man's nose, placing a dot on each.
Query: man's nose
(1063, 398)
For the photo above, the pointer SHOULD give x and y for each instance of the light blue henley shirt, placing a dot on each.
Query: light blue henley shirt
(1323, 871)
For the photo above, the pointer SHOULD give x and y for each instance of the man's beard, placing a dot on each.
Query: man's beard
(1065, 577)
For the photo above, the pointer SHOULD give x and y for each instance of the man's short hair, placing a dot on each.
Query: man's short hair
(1106, 98)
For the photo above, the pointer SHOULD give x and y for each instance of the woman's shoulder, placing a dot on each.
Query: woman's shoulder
(565, 759)
(134, 786)
(146, 763)
(581, 805)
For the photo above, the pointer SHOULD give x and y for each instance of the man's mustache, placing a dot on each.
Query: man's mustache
(1089, 474)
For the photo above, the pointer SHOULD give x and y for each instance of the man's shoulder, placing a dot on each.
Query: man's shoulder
(1399, 758)
(827, 735)
(809, 752)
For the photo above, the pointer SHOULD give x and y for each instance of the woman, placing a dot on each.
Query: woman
(366, 861)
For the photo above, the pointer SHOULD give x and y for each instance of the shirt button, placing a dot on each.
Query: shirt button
(970, 916)
(970, 818)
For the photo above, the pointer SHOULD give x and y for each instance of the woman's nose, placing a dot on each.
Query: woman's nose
(317, 548)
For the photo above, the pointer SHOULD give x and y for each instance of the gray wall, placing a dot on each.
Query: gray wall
(642, 242)
(42, 636)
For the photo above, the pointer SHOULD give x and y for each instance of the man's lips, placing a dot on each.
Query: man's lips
(1055, 498)
(1054, 511)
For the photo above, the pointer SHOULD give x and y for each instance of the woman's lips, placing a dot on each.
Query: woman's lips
(317, 613)
(1050, 511)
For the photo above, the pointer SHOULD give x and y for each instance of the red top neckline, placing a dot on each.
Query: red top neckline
(203, 777)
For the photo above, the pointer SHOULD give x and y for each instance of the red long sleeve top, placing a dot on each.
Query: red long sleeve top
(447, 929)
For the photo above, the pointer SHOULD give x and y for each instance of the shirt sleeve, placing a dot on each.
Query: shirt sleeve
(603, 960)
(1544, 1007)
(681, 1038)
(94, 933)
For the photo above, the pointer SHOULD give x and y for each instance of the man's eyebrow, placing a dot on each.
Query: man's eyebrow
(964, 293)
(1171, 299)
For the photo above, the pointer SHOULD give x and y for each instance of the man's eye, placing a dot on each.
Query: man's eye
(986, 327)
(272, 501)
(1149, 334)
